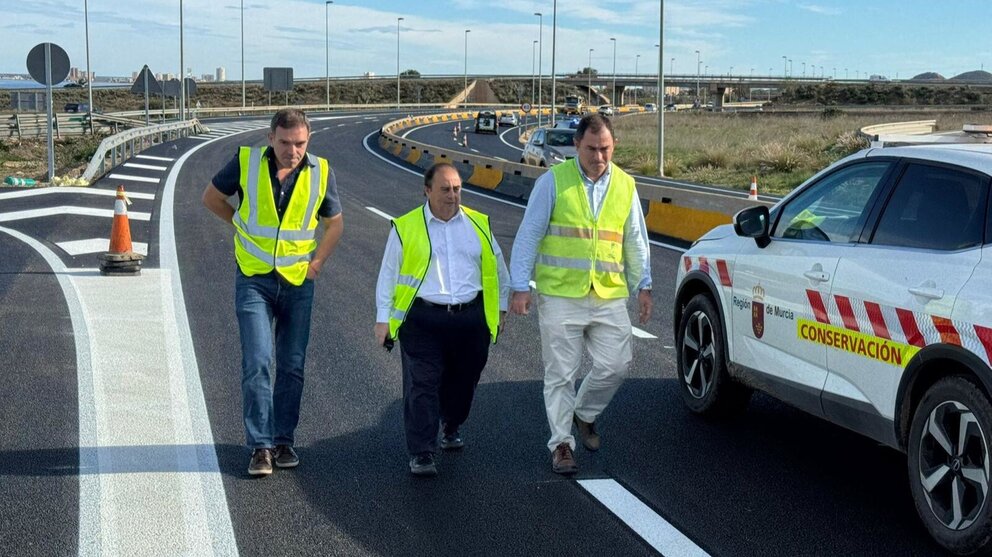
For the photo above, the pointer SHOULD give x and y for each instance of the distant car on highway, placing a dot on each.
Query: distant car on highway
(606, 110)
(509, 118)
(76, 107)
(485, 121)
(549, 146)
(568, 123)
(650, 107)
(671, 107)
(861, 298)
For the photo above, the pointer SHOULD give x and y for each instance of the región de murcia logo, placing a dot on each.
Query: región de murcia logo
(758, 311)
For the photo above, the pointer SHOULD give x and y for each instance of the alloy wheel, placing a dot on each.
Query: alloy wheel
(697, 355)
(954, 465)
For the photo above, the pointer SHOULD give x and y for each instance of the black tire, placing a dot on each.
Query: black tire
(704, 382)
(949, 452)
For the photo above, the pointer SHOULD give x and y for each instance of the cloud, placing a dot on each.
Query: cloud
(822, 10)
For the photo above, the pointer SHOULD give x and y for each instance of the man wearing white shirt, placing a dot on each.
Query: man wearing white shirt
(584, 241)
(443, 290)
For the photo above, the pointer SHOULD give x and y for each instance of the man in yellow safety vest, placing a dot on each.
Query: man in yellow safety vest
(584, 241)
(443, 291)
(284, 192)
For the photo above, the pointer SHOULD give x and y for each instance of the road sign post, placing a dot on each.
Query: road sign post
(49, 64)
(147, 84)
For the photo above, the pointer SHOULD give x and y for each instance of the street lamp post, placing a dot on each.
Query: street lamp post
(613, 97)
(182, 68)
(327, 55)
(637, 59)
(589, 75)
(243, 91)
(533, 57)
(785, 66)
(699, 64)
(554, 54)
(465, 85)
(804, 69)
(791, 73)
(398, 20)
(661, 89)
(671, 66)
(540, 63)
(89, 80)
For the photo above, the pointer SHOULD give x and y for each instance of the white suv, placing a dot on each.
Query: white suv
(865, 298)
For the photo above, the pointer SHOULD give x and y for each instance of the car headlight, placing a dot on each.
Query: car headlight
(556, 156)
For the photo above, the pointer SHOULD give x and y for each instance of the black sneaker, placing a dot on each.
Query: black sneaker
(423, 465)
(261, 462)
(286, 457)
(451, 441)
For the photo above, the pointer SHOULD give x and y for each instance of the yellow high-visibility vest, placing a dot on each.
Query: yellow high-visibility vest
(580, 251)
(263, 242)
(412, 231)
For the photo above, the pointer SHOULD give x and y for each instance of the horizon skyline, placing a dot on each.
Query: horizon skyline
(729, 35)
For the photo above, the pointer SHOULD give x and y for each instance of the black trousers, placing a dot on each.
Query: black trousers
(444, 352)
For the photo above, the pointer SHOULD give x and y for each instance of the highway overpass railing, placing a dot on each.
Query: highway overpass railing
(122, 146)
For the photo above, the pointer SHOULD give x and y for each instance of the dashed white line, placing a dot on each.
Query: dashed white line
(646, 523)
(145, 166)
(134, 178)
(96, 245)
(68, 210)
(154, 158)
(380, 213)
(640, 333)
(72, 190)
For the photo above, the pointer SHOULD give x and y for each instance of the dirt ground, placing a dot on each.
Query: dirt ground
(28, 158)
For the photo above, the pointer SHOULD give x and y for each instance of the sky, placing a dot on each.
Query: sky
(842, 38)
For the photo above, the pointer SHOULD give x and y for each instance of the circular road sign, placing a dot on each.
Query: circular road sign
(59, 61)
(525, 107)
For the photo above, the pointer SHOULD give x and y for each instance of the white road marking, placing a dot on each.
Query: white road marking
(640, 333)
(340, 125)
(96, 245)
(503, 139)
(145, 166)
(134, 178)
(154, 158)
(72, 190)
(69, 210)
(652, 528)
(380, 213)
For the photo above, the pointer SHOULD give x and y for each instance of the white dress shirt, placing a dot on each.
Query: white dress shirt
(454, 275)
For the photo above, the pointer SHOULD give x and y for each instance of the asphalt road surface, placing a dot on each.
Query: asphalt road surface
(79, 475)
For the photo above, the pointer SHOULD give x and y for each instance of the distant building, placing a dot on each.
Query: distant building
(221, 74)
(207, 77)
(134, 75)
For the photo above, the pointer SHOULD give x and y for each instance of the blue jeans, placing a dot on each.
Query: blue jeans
(271, 415)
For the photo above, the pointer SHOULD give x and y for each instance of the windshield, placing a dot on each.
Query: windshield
(560, 139)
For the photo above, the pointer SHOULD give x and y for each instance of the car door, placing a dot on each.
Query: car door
(896, 293)
(782, 290)
(535, 148)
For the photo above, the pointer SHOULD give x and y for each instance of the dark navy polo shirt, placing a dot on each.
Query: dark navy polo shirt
(228, 182)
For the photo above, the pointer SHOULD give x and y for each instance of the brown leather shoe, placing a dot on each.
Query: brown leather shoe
(261, 462)
(587, 431)
(562, 461)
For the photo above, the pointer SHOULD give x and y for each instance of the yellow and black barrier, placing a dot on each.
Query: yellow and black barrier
(671, 212)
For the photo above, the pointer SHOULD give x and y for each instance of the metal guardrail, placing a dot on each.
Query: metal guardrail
(124, 145)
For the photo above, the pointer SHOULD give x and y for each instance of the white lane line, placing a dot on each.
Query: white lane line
(341, 125)
(145, 166)
(96, 245)
(646, 523)
(380, 213)
(134, 178)
(503, 139)
(154, 158)
(640, 333)
(667, 246)
(72, 190)
(69, 210)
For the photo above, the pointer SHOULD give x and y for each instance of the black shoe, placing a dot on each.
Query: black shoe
(587, 431)
(286, 457)
(261, 462)
(451, 440)
(423, 465)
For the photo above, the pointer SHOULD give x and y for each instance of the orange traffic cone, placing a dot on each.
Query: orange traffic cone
(753, 194)
(121, 259)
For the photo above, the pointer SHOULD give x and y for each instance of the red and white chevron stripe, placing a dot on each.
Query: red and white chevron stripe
(704, 265)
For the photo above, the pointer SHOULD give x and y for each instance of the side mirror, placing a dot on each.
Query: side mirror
(753, 222)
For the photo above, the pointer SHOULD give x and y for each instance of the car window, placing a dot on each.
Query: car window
(934, 208)
(560, 139)
(538, 137)
(833, 209)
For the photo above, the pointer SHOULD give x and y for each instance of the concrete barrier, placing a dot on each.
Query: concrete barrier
(669, 211)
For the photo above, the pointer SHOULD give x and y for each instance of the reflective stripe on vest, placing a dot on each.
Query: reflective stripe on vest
(412, 231)
(262, 241)
(580, 251)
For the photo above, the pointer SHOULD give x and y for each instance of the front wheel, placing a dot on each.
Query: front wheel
(949, 465)
(704, 382)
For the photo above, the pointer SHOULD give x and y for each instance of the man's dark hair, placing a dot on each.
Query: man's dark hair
(429, 175)
(289, 118)
(594, 123)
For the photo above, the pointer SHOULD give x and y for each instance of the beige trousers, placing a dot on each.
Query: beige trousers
(602, 328)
